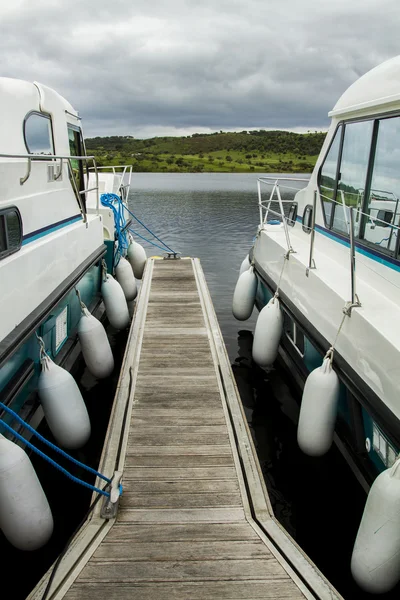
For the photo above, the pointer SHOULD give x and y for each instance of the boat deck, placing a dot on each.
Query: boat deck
(194, 520)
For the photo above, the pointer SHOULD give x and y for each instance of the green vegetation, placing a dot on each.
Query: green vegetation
(245, 152)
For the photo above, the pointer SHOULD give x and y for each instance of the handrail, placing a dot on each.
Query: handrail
(61, 158)
(360, 212)
(275, 183)
(123, 189)
(311, 261)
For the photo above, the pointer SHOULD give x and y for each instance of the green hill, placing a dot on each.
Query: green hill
(258, 151)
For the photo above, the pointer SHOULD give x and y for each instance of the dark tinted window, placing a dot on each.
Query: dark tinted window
(10, 231)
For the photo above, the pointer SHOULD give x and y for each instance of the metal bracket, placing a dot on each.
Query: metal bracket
(350, 305)
(59, 172)
(313, 266)
(172, 256)
(26, 177)
(110, 505)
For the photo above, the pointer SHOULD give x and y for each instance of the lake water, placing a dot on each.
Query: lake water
(214, 217)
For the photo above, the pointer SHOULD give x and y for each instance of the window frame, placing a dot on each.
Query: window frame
(360, 240)
(78, 129)
(11, 250)
(45, 116)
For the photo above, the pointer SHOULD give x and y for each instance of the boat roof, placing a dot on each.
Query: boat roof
(379, 88)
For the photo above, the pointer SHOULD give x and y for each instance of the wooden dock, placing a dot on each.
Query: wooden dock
(194, 521)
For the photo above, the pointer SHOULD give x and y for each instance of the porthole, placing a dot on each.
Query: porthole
(10, 231)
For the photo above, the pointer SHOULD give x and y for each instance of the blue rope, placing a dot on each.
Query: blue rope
(53, 447)
(149, 230)
(114, 203)
(148, 241)
(52, 462)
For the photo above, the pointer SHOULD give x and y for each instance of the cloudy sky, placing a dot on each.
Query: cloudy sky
(175, 67)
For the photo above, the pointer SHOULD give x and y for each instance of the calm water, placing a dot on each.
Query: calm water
(214, 217)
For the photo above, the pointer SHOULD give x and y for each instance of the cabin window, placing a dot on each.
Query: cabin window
(327, 181)
(10, 231)
(76, 148)
(38, 134)
(292, 214)
(307, 218)
(352, 174)
(382, 205)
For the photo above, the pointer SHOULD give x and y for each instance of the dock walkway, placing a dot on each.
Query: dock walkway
(194, 521)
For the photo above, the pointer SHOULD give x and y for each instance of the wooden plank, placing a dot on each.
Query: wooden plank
(179, 500)
(164, 417)
(178, 431)
(181, 486)
(177, 473)
(212, 590)
(181, 551)
(129, 571)
(189, 515)
(195, 450)
(187, 439)
(180, 460)
(189, 532)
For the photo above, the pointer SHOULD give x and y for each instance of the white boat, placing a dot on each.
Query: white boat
(63, 229)
(329, 250)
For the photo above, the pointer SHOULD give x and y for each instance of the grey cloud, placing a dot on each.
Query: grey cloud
(135, 67)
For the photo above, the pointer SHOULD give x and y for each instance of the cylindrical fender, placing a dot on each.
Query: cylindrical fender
(95, 346)
(245, 266)
(63, 406)
(115, 302)
(268, 333)
(318, 410)
(126, 279)
(244, 295)
(375, 562)
(136, 255)
(25, 515)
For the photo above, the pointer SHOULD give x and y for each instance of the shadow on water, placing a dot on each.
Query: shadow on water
(317, 500)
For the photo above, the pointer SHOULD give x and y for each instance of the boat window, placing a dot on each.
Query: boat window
(352, 174)
(382, 206)
(293, 333)
(292, 214)
(307, 218)
(76, 148)
(327, 179)
(10, 231)
(38, 134)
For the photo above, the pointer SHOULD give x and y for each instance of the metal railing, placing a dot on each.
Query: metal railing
(55, 157)
(123, 188)
(356, 215)
(276, 197)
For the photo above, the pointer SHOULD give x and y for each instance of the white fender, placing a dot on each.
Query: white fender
(126, 279)
(318, 410)
(244, 295)
(95, 346)
(25, 515)
(115, 303)
(267, 334)
(375, 562)
(137, 257)
(63, 406)
(245, 266)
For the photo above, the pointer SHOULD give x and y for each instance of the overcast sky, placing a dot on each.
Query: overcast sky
(175, 67)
